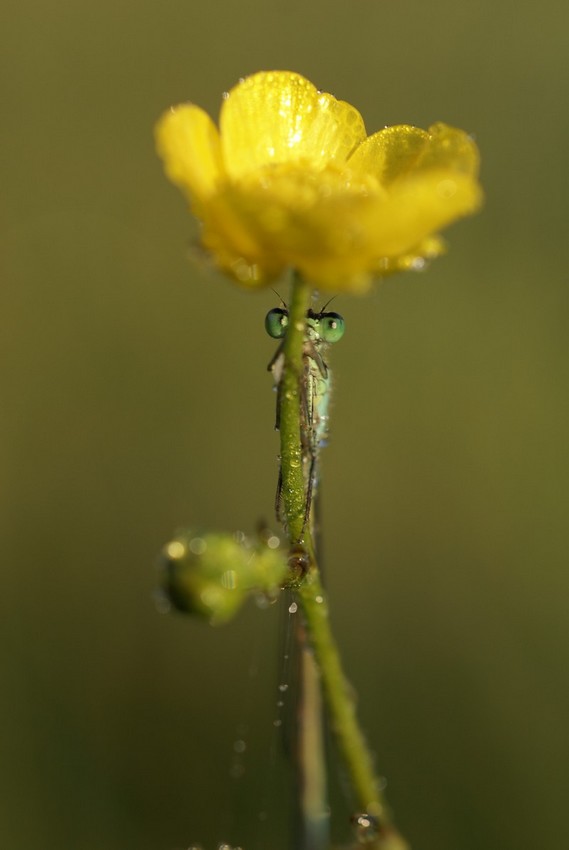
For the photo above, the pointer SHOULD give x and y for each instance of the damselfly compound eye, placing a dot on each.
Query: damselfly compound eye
(276, 322)
(332, 327)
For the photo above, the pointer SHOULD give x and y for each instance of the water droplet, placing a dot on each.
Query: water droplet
(225, 95)
(280, 703)
(446, 188)
(264, 600)
(277, 723)
(366, 827)
(292, 608)
(273, 542)
(245, 272)
(283, 688)
(319, 600)
(239, 746)
(175, 550)
(197, 545)
(418, 264)
(229, 580)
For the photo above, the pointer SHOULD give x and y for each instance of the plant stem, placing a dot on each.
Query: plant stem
(293, 487)
(311, 594)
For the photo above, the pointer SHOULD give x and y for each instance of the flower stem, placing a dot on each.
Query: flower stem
(292, 472)
(312, 597)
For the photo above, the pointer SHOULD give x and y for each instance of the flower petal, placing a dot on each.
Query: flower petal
(339, 238)
(188, 142)
(390, 152)
(421, 205)
(450, 148)
(395, 151)
(236, 246)
(278, 117)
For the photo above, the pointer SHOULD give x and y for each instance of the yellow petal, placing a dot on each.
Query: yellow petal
(450, 148)
(279, 117)
(390, 152)
(395, 151)
(235, 244)
(188, 142)
(310, 222)
(340, 237)
(420, 206)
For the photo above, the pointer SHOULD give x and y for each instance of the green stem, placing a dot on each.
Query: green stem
(311, 594)
(293, 489)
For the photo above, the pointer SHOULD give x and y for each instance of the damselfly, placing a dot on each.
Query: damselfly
(322, 329)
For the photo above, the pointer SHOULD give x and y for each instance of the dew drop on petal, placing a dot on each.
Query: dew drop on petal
(447, 188)
(418, 264)
(246, 272)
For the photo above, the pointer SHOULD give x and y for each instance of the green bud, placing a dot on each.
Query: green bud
(212, 574)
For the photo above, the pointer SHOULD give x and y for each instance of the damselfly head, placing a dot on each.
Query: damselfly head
(328, 327)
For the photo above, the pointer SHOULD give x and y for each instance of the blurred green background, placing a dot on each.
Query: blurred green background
(135, 400)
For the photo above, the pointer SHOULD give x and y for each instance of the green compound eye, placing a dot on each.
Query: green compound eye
(276, 322)
(332, 327)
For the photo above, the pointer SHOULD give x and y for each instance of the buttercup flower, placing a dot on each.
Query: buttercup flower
(291, 180)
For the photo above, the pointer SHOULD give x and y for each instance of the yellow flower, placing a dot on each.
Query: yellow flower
(292, 181)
